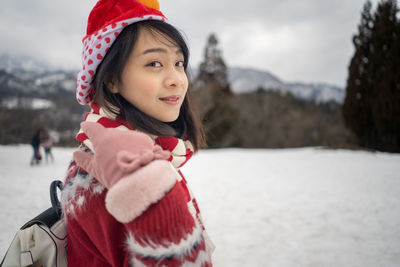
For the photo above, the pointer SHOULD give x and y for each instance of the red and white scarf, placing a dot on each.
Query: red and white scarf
(181, 150)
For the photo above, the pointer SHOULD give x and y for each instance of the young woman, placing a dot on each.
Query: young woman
(125, 201)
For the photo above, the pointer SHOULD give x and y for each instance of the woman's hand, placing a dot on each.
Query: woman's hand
(130, 166)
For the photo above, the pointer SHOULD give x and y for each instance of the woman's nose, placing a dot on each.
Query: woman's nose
(174, 77)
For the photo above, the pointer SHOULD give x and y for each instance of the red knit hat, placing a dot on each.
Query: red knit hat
(106, 20)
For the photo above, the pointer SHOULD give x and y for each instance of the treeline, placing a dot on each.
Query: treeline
(266, 118)
(18, 124)
(269, 119)
(258, 119)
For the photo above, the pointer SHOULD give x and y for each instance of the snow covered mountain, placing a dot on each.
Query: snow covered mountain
(28, 74)
(318, 92)
(11, 63)
(244, 80)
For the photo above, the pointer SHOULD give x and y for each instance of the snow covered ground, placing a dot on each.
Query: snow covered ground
(284, 207)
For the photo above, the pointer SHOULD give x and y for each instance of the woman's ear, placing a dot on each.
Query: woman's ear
(111, 84)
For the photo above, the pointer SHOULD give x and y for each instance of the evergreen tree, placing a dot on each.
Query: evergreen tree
(213, 67)
(355, 108)
(384, 71)
(213, 96)
(372, 104)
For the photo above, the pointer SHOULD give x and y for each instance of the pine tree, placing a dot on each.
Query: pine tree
(355, 107)
(213, 67)
(371, 106)
(384, 71)
(213, 96)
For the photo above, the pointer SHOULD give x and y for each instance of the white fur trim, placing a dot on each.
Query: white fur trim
(98, 188)
(70, 200)
(80, 201)
(133, 194)
(203, 257)
(137, 263)
(69, 190)
(71, 209)
(170, 250)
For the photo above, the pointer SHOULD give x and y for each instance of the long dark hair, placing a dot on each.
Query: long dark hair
(187, 125)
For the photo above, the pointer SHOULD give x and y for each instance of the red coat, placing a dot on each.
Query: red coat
(169, 231)
(166, 234)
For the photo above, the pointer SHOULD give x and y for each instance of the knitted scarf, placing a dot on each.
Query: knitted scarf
(181, 150)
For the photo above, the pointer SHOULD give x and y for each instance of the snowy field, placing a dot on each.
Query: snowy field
(286, 207)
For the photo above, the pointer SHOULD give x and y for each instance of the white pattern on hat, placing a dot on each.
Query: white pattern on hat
(95, 47)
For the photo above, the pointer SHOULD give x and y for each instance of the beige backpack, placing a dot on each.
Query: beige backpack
(43, 240)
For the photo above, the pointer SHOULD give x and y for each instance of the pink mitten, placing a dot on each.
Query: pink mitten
(117, 153)
(130, 165)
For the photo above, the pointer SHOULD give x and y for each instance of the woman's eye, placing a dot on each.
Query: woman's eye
(180, 64)
(154, 64)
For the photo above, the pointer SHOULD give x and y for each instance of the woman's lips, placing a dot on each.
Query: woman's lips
(171, 100)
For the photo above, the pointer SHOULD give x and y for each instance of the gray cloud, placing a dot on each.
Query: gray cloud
(307, 40)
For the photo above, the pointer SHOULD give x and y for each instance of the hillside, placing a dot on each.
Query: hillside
(245, 80)
(241, 80)
(35, 99)
(34, 95)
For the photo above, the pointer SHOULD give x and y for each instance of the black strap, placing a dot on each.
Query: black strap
(50, 216)
(55, 203)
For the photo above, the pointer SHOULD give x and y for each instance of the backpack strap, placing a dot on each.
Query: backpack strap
(50, 216)
(55, 203)
(17, 252)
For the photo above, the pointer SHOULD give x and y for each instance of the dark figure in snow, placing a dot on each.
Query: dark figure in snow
(47, 143)
(35, 142)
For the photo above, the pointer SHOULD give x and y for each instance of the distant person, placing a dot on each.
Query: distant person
(35, 143)
(47, 144)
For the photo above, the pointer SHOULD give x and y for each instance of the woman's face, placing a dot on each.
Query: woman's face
(154, 79)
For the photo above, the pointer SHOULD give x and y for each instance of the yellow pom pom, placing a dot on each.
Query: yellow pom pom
(151, 3)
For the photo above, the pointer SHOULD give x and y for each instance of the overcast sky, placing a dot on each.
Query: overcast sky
(307, 40)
